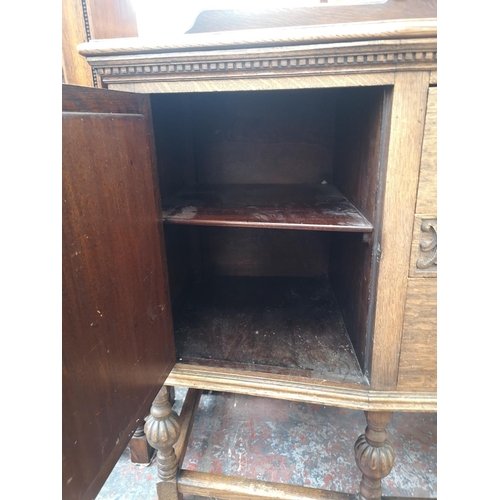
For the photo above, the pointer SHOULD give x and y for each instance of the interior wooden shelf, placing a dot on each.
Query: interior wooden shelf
(287, 323)
(288, 206)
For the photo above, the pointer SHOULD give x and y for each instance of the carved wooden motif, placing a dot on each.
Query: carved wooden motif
(428, 247)
(423, 261)
(332, 58)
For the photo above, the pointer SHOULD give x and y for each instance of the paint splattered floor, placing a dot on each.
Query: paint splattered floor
(294, 443)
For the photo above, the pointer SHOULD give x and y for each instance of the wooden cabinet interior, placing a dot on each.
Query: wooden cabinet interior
(270, 204)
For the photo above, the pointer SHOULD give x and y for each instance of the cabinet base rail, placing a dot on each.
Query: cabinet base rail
(235, 488)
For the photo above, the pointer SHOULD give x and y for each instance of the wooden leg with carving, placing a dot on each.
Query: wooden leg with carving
(141, 452)
(162, 430)
(374, 455)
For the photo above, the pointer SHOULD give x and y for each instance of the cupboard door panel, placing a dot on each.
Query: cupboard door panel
(117, 329)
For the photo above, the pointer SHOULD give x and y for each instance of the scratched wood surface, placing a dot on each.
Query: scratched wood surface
(117, 332)
(303, 206)
(281, 322)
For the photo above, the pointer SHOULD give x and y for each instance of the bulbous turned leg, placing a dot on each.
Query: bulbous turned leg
(162, 431)
(141, 452)
(374, 455)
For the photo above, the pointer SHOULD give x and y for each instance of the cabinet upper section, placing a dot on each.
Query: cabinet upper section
(292, 57)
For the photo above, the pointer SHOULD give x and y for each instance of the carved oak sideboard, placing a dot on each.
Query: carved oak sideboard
(255, 212)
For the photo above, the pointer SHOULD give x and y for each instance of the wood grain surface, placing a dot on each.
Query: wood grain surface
(230, 251)
(302, 206)
(80, 100)
(282, 322)
(427, 184)
(270, 37)
(418, 358)
(76, 69)
(223, 20)
(248, 83)
(288, 66)
(360, 145)
(236, 488)
(186, 420)
(408, 116)
(303, 389)
(117, 330)
(111, 19)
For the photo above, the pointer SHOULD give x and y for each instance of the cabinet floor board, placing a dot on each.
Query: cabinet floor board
(289, 323)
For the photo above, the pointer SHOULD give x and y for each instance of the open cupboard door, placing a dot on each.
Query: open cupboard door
(117, 341)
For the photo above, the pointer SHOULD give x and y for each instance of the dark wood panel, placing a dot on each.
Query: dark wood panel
(173, 129)
(117, 330)
(304, 206)
(360, 149)
(231, 251)
(264, 137)
(286, 322)
(111, 19)
(223, 20)
(76, 69)
(79, 99)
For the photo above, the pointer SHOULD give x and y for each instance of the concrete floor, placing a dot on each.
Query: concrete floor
(294, 443)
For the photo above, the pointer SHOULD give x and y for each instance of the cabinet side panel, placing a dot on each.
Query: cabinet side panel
(117, 332)
(418, 360)
(356, 174)
(399, 200)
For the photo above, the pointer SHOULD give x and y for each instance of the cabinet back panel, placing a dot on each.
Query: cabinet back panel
(264, 137)
(264, 252)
